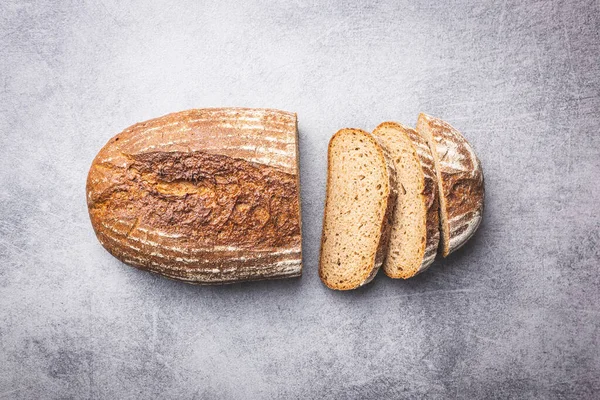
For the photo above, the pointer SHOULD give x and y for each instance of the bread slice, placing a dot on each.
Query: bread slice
(415, 233)
(460, 181)
(361, 193)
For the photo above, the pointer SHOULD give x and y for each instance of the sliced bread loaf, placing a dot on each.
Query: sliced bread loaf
(361, 194)
(460, 181)
(415, 235)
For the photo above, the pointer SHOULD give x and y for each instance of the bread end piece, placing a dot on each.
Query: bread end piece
(460, 181)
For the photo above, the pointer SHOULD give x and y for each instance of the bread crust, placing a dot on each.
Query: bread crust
(423, 156)
(461, 181)
(381, 249)
(204, 196)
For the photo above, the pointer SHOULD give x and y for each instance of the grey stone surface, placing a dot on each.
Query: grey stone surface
(515, 314)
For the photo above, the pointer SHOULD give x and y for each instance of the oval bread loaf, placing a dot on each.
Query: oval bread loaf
(204, 196)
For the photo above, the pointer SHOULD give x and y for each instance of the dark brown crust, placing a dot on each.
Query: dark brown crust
(462, 182)
(173, 202)
(386, 222)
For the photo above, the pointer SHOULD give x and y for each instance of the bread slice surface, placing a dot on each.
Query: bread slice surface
(460, 181)
(360, 198)
(414, 234)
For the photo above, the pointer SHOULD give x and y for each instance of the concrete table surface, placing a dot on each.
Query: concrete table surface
(516, 313)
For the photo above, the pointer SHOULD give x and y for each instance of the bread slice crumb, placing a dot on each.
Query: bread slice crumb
(359, 204)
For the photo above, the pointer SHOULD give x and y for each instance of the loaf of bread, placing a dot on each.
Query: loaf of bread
(460, 181)
(361, 192)
(204, 196)
(415, 235)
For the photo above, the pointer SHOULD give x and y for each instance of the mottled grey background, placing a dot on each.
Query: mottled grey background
(516, 313)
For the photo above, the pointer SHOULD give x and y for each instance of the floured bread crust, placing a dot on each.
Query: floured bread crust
(352, 276)
(460, 179)
(204, 196)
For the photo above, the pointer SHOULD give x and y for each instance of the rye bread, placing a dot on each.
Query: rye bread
(415, 235)
(460, 181)
(203, 196)
(361, 192)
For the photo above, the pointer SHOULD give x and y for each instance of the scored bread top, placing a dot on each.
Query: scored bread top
(415, 230)
(204, 195)
(358, 209)
(460, 181)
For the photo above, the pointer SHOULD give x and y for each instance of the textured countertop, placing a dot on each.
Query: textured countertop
(515, 313)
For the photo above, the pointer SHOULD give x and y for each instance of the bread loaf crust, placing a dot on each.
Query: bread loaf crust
(204, 196)
(461, 177)
(429, 193)
(386, 222)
